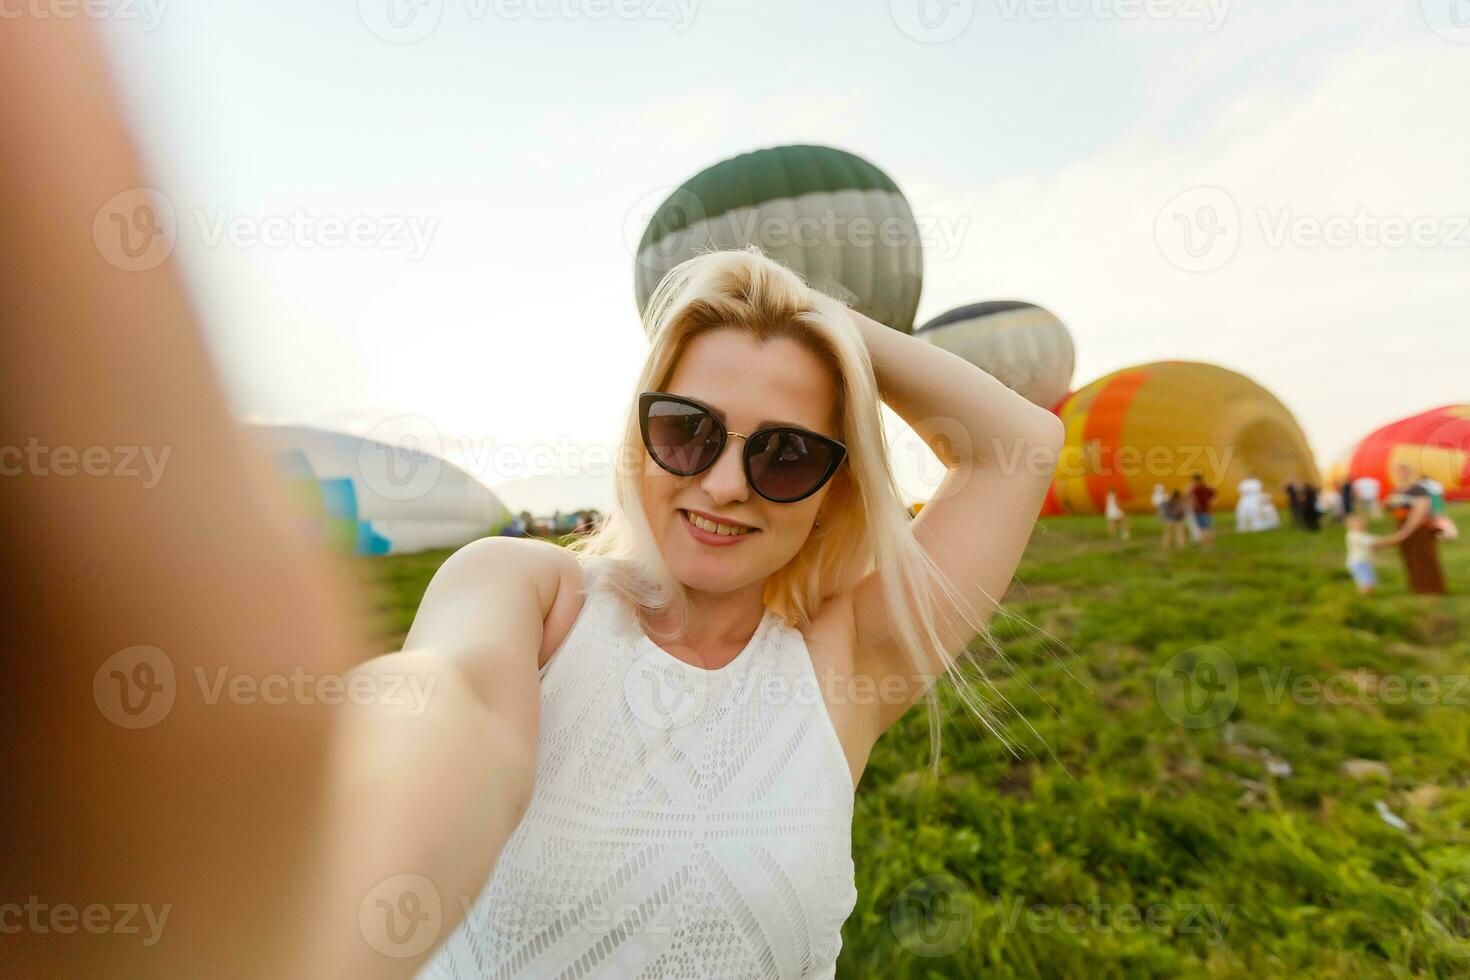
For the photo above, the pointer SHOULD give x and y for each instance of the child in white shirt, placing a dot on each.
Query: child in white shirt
(1360, 546)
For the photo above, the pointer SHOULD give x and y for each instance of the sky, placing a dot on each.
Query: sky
(496, 161)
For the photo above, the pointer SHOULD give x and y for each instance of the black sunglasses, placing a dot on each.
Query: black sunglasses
(783, 463)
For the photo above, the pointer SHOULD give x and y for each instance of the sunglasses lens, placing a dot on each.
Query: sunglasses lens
(785, 465)
(682, 437)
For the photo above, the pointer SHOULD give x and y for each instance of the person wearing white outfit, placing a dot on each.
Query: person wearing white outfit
(1117, 518)
(685, 821)
(1254, 509)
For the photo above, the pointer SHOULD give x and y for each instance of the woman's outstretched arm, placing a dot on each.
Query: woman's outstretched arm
(1000, 453)
(166, 812)
(447, 764)
(1420, 509)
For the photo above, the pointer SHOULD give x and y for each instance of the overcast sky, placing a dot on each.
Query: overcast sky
(499, 158)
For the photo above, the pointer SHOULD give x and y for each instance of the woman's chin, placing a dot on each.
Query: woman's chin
(708, 569)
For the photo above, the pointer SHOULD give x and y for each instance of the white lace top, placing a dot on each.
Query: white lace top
(685, 823)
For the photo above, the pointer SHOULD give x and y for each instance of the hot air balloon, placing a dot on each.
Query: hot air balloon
(1435, 443)
(1162, 423)
(831, 216)
(363, 497)
(1022, 345)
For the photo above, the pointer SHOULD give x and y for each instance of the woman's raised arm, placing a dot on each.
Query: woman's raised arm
(1000, 453)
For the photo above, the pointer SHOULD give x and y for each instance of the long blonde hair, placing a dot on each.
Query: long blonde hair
(864, 522)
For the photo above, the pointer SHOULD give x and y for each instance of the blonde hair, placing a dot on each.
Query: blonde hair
(865, 524)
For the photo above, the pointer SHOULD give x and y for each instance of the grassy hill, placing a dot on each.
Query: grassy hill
(1225, 764)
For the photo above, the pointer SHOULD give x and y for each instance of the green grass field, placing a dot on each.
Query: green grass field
(1202, 744)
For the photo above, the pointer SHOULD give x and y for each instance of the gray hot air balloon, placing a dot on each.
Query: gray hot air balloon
(829, 215)
(1022, 345)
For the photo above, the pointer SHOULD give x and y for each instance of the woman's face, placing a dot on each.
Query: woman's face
(778, 382)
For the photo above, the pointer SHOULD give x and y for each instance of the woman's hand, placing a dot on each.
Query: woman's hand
(249, 822)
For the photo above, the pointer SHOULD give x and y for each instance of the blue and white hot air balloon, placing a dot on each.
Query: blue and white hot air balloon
(364, 497)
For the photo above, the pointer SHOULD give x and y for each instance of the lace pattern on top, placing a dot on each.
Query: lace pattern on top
(685, 823)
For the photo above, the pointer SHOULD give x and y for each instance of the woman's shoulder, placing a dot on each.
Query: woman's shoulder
(531, 559)
(552, 573)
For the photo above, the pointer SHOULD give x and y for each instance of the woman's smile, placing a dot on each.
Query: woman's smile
(714, 533)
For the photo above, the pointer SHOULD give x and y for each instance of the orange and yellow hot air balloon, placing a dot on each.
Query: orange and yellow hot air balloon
(1161, 423)
(1435, 444)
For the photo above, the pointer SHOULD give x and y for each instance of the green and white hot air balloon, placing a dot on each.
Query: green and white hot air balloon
(1023, 346)
(831, 216)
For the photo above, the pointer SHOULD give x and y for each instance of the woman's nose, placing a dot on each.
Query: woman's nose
(725, 481)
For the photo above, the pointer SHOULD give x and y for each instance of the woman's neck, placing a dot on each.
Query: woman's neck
(720, 623)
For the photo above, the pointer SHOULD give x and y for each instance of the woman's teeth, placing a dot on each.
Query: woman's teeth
(714, 528)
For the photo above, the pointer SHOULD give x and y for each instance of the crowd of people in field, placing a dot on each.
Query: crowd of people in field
(558, 525)
(1415, 503)
(1184, 514)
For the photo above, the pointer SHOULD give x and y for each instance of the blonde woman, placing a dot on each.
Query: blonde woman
(714, 663)
(638, 758)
